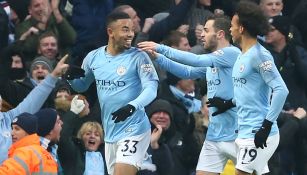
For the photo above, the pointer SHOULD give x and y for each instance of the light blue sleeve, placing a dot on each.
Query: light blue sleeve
(35, 99)
(83, 83)
(149, 79)
(279, 95)
(269, 73)
(180, 70)
(187, 58)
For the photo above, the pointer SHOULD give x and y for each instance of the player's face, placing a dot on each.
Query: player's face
(235, 30)
(274, 37)
(122, 33)
(91, 140)
(271, 7)
(208, 36)
(161, 118)
(48, 47)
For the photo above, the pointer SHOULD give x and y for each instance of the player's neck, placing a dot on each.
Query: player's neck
(113, 50)
(222, 44)
(247, 42)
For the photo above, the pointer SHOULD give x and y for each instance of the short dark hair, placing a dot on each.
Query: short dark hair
(173, 38)
(47, 34)
(114, 16)
(252, 18)
(222, 22)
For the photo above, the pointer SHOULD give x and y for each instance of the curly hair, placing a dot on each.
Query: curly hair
(252, 18)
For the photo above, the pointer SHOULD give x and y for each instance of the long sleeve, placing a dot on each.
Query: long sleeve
(279, 95)
(181, 70)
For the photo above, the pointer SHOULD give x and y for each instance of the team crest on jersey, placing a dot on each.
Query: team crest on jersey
(218, 52)
(214, 70)
(266, 66)
(121, 70)
(147, 67)
(242, 67)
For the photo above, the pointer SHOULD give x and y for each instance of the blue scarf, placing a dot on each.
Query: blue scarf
(191, 104)
(94, 163)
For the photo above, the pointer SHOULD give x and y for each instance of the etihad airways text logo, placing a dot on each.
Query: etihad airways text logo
(238, 82)
(109, 84)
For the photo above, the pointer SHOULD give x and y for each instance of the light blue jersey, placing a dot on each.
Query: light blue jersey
(217, 67)
(127, 78)
(255, 77)
(31, 104)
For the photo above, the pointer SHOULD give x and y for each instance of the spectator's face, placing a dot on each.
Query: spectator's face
(236, 30)
(271, 7)
(184, 45)
(209, 36)
(161, 118)
(187, 86)
(91, 140)
(55, 132)
(135, 19)
(121, 32)
(39, 72)
(274, 37)
(48, 47)
(18, 133)
(39, 9)
(205, 2)
(64, 94)
(16, 62)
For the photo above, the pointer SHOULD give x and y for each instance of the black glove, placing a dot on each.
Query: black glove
(221, 104)
(73, 72)
(123, 113)
(262, 134)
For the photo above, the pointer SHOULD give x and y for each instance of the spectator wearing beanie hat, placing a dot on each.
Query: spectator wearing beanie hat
(25, 124)
(27, 100)
(49, 129)
(40, 68)
(26, 156)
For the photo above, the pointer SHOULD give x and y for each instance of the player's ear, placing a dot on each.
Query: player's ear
(110, 31)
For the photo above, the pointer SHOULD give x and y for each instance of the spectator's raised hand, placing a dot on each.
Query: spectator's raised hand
(30, 31)
(147, 24)
(60, 68)
(155, 136)
(76, 105)
(147, 46)
(299, 113)
(183, 29)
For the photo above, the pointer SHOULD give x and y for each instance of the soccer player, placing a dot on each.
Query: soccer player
(259, 91)
(219, 145)
(126, 82)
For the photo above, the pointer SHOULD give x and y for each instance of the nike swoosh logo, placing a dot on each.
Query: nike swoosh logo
(126, 155)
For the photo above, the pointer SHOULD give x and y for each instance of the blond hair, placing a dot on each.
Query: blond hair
(88, 126)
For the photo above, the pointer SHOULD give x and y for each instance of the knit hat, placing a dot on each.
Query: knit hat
(42, 61)
(27, 122)
(281, 23)
(46, 119)
(159, 105)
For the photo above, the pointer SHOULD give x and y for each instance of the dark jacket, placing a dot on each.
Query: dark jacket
(291, 63)
(71, 150)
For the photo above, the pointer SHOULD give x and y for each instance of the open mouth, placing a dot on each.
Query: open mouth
(91, 143)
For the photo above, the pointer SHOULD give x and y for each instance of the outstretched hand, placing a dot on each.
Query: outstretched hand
(61, 67)
(221, 104)
(147, 46)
